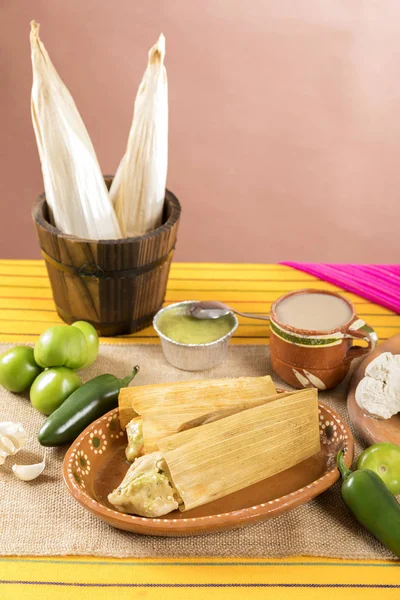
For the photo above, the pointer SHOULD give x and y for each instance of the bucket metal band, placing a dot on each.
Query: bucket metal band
(135, 324)
(94, 271)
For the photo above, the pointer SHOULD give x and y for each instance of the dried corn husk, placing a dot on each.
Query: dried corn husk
(74, 186)
(171, 407)
(212, 461)
(138, 189)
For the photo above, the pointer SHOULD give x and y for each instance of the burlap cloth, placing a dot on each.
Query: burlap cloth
(41, 517)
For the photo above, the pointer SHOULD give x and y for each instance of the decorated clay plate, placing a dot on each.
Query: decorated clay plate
(95, 465)
(373, 430)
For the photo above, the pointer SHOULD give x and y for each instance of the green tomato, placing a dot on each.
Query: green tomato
(18, 369)
(61, 346)
(384, 460)
(52, 387)
(92, 340)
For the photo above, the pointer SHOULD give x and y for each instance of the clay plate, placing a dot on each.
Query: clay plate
(373, 430)
(95, 464)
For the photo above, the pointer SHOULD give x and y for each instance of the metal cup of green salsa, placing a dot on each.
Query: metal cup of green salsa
(193, 344)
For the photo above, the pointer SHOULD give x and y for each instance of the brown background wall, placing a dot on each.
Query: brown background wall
(284, 118)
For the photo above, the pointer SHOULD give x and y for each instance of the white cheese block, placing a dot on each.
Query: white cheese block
(382, 365)
(378, 393)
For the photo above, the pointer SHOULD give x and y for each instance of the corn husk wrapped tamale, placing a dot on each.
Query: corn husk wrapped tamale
(138, 189)
(215, 460)
(220, 458)
(170, 407)
(75, 189)
(145, 490)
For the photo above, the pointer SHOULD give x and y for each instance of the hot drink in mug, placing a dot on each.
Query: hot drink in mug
(312, 334)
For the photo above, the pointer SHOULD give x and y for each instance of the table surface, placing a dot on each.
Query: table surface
(27, 308)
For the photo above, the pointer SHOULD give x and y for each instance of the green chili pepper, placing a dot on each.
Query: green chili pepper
(373, 505)
(88, 403)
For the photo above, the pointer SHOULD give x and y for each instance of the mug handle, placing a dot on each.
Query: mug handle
(359, 329)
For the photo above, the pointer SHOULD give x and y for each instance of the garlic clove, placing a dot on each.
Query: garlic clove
(28, 472)
(7, 446)
(13, 437)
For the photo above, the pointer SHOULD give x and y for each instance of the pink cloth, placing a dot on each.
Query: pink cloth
(377, 283)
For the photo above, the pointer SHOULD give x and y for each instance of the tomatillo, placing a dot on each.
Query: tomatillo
(52, 387)
(61, 346)
(92, 340)
(384, 460)
(18, 369)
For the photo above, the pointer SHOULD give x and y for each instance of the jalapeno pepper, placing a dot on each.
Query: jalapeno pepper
(88, 403)
(373, 505)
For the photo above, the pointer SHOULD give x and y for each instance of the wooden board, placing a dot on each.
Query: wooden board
(373, 430)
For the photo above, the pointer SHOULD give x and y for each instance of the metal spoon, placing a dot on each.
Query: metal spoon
(215, 310)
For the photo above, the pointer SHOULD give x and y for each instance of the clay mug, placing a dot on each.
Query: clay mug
(311, 358)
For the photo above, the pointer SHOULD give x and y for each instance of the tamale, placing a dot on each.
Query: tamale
(138, 189)
(212, 461)
(134, 433)
(75, 189)
(169, 407)
(197, 466)
(145, 490)
(205, 394)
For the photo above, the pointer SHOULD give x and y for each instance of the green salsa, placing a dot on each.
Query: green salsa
(186, 329)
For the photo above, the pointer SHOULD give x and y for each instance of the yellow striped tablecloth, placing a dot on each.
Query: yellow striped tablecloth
(27, 308)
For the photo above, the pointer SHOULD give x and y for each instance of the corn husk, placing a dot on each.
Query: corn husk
(74, 186)
(138, 189)
(212, 461)
(171, 407)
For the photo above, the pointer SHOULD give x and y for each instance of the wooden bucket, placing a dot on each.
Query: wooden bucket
(117, 285)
